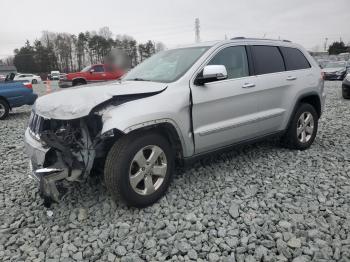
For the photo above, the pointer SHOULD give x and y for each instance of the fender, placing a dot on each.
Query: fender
(150, 123)
(298, 101)
(151, 110)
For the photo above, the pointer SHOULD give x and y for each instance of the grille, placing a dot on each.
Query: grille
(36, 123)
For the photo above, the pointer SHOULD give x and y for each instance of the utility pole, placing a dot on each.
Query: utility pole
(197, 30)
(325, 43)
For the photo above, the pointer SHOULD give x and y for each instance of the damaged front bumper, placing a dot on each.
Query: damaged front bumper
(48, 176)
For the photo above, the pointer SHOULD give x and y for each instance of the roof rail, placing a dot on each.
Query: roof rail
(252, 38)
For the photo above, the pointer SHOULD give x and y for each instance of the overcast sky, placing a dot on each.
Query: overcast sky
(307, 22)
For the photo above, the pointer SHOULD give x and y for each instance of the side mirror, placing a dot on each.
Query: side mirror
(211, 73)
(92, 70)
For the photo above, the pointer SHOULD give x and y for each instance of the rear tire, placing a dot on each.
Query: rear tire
(139, 168)
(346, 93)
(302, 130)
(79, 83)
(4, 109)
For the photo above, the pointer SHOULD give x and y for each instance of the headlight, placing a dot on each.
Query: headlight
(63, 77)
(340, 72)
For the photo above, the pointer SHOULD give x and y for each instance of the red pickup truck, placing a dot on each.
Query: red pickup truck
(91, 74)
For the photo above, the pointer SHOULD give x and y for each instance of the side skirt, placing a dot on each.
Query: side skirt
(190, 160)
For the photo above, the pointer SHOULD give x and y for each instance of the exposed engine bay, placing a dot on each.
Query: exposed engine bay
(72, 148)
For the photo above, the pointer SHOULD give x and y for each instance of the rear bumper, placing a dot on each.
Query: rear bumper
(65, 83)
(32, 99)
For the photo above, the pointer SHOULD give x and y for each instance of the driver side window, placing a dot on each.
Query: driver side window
(235, 60)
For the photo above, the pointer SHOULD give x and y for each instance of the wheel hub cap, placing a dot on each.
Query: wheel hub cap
(305, 127)
(147, 170)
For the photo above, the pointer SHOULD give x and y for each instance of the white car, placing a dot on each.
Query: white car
(55, 75)
(34, 79)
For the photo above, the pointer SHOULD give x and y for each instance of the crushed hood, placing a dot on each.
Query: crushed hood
(79, 101)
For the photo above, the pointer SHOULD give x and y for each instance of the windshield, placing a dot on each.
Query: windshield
(86, 69)
(335, 64)
(166, 66)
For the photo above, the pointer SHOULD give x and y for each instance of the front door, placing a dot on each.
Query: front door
(226, 111)
(99, 73)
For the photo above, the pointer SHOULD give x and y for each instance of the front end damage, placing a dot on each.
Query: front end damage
(62, 151)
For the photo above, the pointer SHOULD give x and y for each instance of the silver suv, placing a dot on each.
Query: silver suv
(177, 105)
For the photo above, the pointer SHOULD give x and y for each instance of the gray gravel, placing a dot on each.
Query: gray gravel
(257, 203)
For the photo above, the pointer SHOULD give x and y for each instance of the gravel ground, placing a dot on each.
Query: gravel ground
(257, 203)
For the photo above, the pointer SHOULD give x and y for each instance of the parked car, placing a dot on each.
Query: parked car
(335, 70)
(91, 74)
(15, 94)
(34, 79)
(179, 104)
(54, 75)
(346, 87)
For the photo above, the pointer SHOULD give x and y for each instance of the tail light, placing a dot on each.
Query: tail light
(28, 85)
(322, 75)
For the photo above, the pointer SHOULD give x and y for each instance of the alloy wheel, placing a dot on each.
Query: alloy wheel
(305, 127)
(148, 170)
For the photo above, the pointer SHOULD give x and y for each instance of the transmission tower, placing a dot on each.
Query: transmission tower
(197, 30)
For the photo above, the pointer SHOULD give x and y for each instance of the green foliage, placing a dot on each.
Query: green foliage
(337, 47)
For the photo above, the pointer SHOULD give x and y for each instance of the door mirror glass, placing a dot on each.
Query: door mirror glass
(211, 73)
(92, 70)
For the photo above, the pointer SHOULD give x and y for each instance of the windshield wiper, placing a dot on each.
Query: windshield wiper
(138, 79)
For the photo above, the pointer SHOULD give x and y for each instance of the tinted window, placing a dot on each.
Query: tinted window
(234, 59)
(99, 68)
(294, 59)
(267, 59)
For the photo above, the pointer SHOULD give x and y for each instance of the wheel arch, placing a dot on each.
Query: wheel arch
(311, 98)
(165, 127)
(4, 99)
(79, 79)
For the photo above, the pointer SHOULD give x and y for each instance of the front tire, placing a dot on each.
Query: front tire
(346, 93)
(139, 168)
(4, 109)
(303, 128)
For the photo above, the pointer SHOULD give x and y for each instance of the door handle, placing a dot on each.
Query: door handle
(290, 78)
(248, 85)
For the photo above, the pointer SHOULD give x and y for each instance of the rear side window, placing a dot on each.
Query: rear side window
(294, 58)
(99, 68)
(267, 59)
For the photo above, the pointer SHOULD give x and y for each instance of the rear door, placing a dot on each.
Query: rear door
(272, 86)
(280, 72)
(225, 112)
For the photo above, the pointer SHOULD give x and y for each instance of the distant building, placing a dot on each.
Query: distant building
(6, 69)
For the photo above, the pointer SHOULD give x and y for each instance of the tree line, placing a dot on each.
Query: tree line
(68, 52)
(338, 47)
